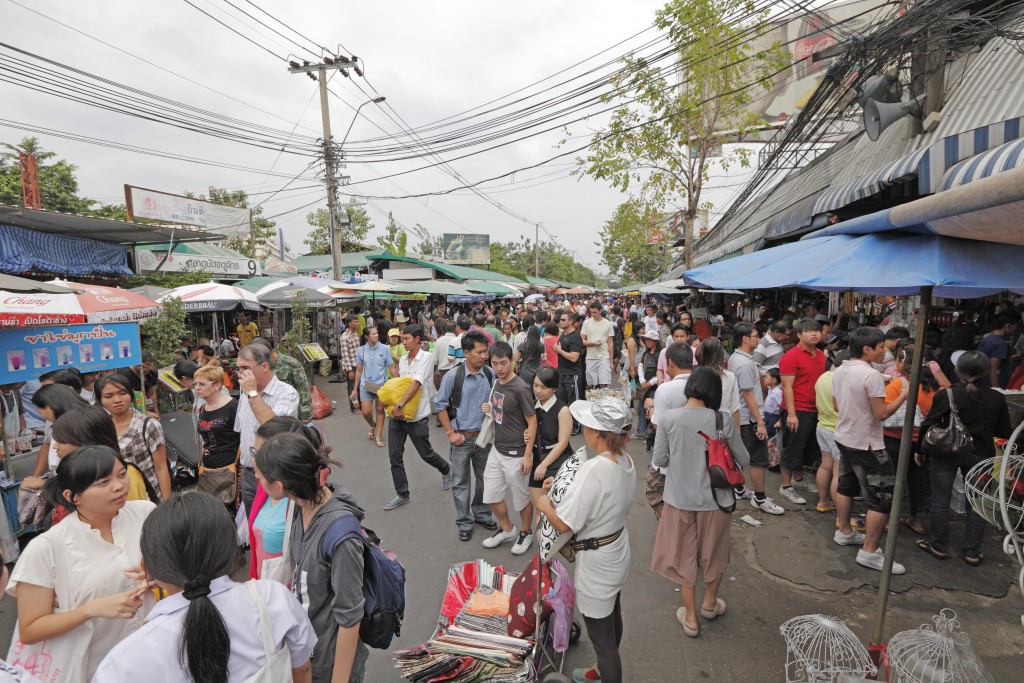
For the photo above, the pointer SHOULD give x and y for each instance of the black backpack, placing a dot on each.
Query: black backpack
(460, 379)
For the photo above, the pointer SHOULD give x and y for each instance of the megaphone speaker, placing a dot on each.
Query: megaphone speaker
(880, 115)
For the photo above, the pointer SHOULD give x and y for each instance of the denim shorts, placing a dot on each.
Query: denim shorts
(868, 473)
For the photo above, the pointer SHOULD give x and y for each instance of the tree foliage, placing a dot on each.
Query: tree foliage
(58, 185)
(395, 239)
(262, 229)
(163, 332)
(352, 235)
(429, 244)
(299, 331)
(662, 137)
(168, 280)
(625, 248)
(516, 258)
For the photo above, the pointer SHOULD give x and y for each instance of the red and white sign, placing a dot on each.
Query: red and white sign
(93, 304)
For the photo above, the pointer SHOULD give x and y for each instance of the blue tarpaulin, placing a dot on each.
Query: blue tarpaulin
(22, 250)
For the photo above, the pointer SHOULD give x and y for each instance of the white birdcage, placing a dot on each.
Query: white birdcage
(995, 490)
(935, 654)
(821, 648)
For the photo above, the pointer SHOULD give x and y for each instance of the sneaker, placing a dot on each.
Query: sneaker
(767, 505)
(806, 484)
(499, 537)
(743, 492)
(875, 561)
(790, 494)
(522, 544)
(446, 481)
(853, 538)
(586, 675)
(398, 501)
(857, 522)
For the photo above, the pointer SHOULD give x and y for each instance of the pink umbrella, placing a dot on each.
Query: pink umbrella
(86, 304)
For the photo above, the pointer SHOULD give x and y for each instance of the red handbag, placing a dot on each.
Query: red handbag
(723, 470)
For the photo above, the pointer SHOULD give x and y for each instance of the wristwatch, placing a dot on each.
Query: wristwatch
(252, 394)
(400, 406)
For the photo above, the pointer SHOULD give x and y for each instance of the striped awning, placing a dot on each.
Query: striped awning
(954, 149)
(1005, 157)
(871, 184)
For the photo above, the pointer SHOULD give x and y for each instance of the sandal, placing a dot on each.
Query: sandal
(379, 442)
(715, 613)
(906, 521)
(681, 617)
(369, 435)
(973, 560)
(927, 547)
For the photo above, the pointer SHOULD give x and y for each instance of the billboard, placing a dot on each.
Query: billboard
(218, 266)
(466, 248)
(31, 351)
(174, 208)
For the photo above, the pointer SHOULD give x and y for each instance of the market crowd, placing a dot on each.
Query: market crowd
(136, 576)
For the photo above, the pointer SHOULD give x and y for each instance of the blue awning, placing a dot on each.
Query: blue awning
(22, 250)
(1003, 158)
(871, 184)
(951, 150)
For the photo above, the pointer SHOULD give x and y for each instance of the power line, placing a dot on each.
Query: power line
(236, 32)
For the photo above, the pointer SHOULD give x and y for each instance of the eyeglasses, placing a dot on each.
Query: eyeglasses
(202, 385)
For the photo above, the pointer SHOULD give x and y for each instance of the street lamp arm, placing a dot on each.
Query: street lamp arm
(375, 100)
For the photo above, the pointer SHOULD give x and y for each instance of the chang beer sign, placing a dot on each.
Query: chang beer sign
(220, 267)
(230, 221)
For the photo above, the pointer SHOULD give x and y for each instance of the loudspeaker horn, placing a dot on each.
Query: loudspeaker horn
(884, 87)
(880, 115)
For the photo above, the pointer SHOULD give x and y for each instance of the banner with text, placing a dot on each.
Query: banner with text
(31, 351)
(173, 208)
(217, 266)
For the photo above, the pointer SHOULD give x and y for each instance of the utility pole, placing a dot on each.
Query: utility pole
(330, 158)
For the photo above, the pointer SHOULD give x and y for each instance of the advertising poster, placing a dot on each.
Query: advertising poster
(466, 248)
(31, 351)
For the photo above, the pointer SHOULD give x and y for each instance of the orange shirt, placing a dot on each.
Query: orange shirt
(924, 402)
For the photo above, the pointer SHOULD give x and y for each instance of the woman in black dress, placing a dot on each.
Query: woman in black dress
(554, 427)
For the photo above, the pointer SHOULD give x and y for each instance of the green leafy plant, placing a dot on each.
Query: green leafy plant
(162, 333)
(299, 332)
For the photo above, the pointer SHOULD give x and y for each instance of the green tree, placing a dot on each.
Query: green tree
(429, 245)
(516, 258)
(262, 229)
(352, 235)
(395, 239)
(163, 332)
(662, 137)
(58, 185)
(168, 280)
(624, 244)
(299, 331)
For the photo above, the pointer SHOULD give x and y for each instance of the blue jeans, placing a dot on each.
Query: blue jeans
(642, 423)
(943, 474)
(463, 458)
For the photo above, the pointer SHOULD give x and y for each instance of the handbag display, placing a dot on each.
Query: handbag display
(951, 441)
(723, 471)
(278, 666)
(219, 482)
(279, 568)
(895, 421)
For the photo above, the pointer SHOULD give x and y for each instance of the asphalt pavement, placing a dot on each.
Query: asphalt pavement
(787, 567)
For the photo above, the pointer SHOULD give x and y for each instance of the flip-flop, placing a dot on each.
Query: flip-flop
(681, 617)
(380, 443)
(715, 613)
(973, 560)
(905, 521)
(369, 435)
(927, 547)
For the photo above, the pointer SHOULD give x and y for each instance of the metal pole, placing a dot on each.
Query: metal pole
(906, 441)
(332, 199)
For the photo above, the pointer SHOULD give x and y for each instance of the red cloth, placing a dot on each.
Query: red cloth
(257, 503)
(551, 356)
(806, 369)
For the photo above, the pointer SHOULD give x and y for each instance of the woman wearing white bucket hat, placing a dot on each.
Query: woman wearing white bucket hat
(595, 509)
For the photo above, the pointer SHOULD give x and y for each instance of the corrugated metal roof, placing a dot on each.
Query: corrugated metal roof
(985, 87)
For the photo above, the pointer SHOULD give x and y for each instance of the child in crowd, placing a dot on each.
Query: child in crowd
(772, 410)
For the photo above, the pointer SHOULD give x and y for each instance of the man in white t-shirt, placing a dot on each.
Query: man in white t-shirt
(419, 365)
(598, 337)
(865, 469)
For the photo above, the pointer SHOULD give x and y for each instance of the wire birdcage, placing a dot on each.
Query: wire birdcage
(819, 649)
(935, 654)
(995, 490)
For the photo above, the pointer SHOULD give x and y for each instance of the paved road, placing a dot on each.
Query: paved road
(786, 568)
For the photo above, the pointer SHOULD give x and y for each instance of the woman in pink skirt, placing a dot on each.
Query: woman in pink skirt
(694, 530)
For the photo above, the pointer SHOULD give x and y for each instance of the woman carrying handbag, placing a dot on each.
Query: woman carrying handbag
(209, 629)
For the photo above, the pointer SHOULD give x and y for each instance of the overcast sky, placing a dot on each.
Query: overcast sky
(431, 61)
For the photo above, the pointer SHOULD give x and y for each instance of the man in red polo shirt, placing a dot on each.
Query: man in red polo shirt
(800, 368)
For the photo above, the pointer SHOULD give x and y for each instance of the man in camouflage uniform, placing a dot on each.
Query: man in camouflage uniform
(290, 371)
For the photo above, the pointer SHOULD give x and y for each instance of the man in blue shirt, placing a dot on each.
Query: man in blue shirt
(462, 426)
(995, 346)
(372, 361)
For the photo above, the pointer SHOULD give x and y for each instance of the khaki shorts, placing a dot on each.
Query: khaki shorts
(501, 475)
(654, 488)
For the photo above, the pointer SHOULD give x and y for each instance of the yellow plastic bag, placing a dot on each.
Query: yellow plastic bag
(392, 391)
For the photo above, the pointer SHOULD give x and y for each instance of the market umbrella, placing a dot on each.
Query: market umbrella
(67, 303)
(149, 291)
(13, 283)
(897, 263)
(534, 299)
(282, 295)
(432, 287)
(110, 304)
(210, 297)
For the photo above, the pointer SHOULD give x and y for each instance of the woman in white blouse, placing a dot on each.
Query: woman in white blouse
(711, 354)
(208, 629)
(78, 585)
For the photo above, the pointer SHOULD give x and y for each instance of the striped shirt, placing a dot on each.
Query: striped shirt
(768, 353)
(279, 397)
(348, 344)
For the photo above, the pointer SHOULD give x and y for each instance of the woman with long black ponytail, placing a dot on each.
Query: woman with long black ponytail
(208, 629)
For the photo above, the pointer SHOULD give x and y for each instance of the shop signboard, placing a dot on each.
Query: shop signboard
(174, 208)
(31, 351)
(217, 266)
(466, 248)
